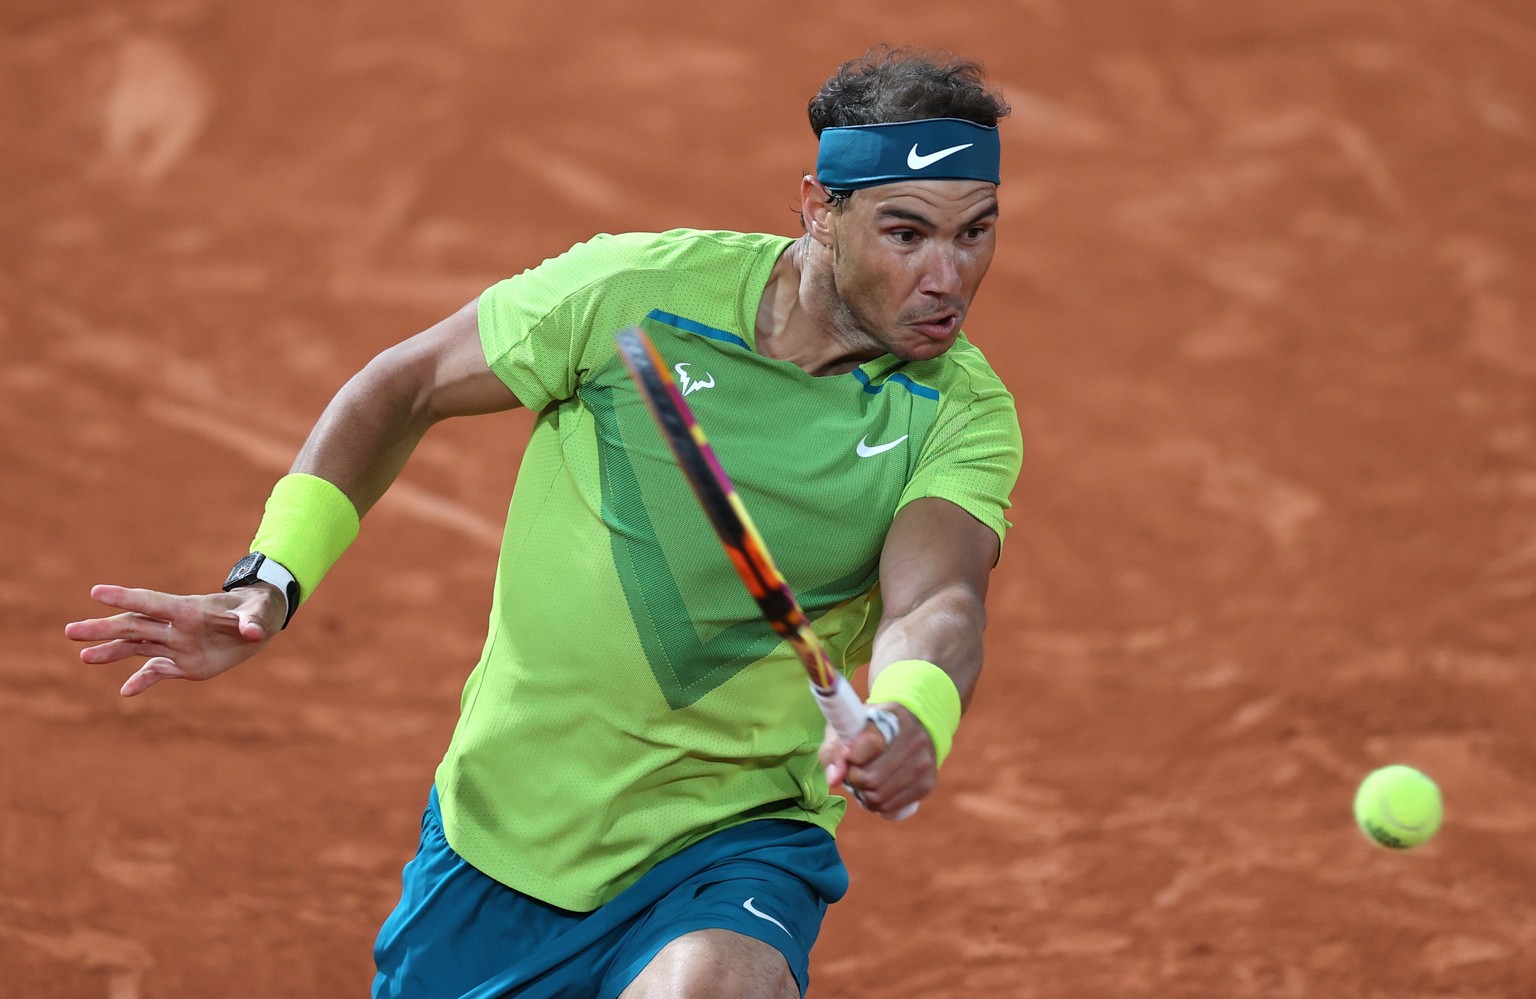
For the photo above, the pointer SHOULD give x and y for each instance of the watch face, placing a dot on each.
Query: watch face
(244, 569)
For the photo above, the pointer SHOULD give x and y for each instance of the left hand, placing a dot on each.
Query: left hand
(889, 777)
(182, 637)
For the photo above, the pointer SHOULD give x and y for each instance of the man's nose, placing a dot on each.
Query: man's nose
(941, 273)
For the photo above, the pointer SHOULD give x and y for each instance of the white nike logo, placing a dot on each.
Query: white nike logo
(763, 915)
(866, 451)
(691, 385)
(918, 162)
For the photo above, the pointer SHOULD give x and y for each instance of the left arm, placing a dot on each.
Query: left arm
(933, 580)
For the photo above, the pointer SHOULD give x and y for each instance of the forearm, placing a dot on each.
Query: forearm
(945, 628)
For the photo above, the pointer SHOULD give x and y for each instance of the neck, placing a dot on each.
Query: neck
(802, 319)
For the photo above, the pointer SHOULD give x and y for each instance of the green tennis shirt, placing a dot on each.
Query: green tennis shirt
(630, 700)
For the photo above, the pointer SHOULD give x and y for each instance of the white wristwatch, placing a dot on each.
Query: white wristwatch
(256, 567)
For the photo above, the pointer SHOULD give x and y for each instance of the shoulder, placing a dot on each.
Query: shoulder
(961, 375)
(644, 261)
(673, 248)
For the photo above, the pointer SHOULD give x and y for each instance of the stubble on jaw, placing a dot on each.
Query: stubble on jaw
(843, 324)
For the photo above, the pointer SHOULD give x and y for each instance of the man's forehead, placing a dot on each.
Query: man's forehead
(960, 196)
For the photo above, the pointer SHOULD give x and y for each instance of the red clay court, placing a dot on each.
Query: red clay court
(1266, 295)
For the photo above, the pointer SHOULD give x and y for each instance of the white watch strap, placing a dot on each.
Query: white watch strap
(277, 574)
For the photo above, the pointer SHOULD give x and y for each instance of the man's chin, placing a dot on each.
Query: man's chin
(925, 349)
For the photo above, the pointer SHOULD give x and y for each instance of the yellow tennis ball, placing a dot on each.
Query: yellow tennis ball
(1398, 807)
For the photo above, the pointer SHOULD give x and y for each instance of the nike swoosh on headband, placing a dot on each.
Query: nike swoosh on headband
(916, 161)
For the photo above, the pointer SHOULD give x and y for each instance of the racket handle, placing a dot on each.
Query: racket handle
(842, 708)
(848, 715)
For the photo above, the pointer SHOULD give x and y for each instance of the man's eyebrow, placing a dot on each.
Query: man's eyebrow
(892, 212)
(990, 211)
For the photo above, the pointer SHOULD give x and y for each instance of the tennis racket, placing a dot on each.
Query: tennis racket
(838, 701)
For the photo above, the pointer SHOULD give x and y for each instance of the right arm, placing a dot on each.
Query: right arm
(360, 444)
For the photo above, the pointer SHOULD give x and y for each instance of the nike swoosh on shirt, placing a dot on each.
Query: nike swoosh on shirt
(760, 914)
(865, 450)
(917, 161)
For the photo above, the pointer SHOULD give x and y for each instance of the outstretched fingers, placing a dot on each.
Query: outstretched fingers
(132, 627)
(184, 637)
(115, 651)
(150, 602)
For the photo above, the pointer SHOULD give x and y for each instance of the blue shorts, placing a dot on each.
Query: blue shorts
(458, 934)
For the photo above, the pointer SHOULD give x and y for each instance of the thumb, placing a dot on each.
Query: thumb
(151, 673)
(254, 629)
(869, 745)
(259, 615)
(252, 623)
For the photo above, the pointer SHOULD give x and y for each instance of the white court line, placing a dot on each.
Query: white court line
(277, 455)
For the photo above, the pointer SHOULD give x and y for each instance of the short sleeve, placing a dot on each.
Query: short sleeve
(973, 455)
(536, 328)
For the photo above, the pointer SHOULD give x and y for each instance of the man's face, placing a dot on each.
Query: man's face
(907, 259)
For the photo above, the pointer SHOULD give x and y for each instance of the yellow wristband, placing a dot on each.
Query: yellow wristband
(926, 691)
(308, 524)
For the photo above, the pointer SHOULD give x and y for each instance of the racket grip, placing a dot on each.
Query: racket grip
(842, 708)
(848, 716)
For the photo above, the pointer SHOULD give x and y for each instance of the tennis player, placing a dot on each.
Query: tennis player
(637, 799)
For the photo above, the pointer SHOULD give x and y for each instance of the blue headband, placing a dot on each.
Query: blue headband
(861, 156)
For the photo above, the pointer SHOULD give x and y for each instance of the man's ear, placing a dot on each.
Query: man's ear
(816, 209)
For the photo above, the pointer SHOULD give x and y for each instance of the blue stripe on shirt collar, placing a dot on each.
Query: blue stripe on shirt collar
(690, 326)
(922, 391)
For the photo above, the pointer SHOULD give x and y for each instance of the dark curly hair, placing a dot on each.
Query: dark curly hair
(889, 84)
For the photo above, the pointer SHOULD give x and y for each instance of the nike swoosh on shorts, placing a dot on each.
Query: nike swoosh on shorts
(763, 915)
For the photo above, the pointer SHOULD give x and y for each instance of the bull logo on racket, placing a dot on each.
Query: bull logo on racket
(688, 384)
